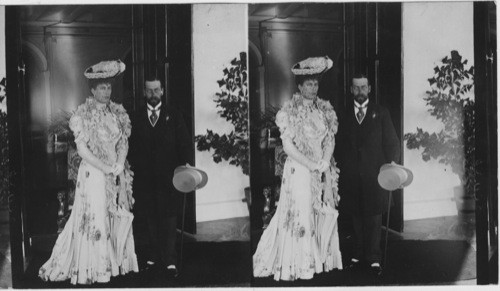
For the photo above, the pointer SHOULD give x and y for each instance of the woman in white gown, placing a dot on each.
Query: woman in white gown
(302, 236)
(97, 240)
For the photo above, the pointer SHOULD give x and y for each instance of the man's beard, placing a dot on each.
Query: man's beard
(153, 101)
(360, 98)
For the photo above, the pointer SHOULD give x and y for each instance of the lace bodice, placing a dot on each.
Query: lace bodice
(108, 133)
(314, 130)
(105, 130)
(309, 125)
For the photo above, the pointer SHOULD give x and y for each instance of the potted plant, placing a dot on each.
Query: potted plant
(450, 102)
(232, 101)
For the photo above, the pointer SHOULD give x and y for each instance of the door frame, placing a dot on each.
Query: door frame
(16, 118)
(485, 78)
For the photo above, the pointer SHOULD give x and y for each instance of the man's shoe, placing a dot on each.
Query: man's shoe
(376, 269)
(354, 263)
(146, 266)
(172, 272)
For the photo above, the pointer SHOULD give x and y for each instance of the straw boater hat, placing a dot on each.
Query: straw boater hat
(105, 69)
(393, 176)
(187, 179)
(312, 66)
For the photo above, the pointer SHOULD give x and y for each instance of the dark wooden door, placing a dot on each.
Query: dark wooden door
(485, 86)
(179, 76)
(162, 47)
(20, 244)
(372, 45)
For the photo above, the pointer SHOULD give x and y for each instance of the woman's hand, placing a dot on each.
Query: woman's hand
(117, 169)
(292, 151)
(320, 166)
(86, 155)
(107, 169)
(323, 166)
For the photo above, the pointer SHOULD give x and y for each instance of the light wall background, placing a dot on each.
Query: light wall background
(3, 105)
(219, 35)
(430, 32)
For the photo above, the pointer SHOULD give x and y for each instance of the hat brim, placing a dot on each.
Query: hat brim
(409, 173)
(204, 176)
(298, 70)
(113, 71)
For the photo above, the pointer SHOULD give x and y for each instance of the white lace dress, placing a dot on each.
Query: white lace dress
(290, 247)
(96, 242)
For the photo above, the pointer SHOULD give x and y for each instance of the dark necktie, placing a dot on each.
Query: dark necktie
(361, 114)
(153, 117)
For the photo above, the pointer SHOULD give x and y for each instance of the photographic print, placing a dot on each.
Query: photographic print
(117, 178)
(248, 145)
(373, 135)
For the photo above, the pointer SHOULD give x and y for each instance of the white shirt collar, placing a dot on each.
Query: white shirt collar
(157, 108)
(363, 106)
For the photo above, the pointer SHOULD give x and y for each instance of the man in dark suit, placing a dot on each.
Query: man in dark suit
(365, 141)
(158, 144)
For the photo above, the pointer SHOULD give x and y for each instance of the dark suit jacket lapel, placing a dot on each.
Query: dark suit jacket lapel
(145, 126)
(164, 113)
(145, 117)
(368, 120)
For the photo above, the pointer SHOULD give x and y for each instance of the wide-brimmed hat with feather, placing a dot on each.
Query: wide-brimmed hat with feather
(312, 66)
(105, 69)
